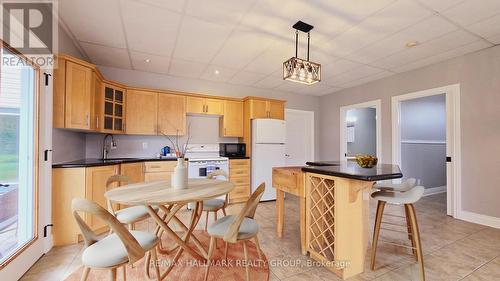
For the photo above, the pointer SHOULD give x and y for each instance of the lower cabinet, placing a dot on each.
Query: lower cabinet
(134, 171)
(158, 171)
(69, 183)
(239, 174)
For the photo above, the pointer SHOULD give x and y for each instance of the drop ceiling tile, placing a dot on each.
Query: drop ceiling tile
(176, 6)
(107, 56)
(271, 59)
(241, 48)
(247, 78)
(271, 81)
(217, 73)
(179, 67)
(91, 24)
(441, 5)
(150, 29)
(487, 28)
(227, 12)
(447, 42)
(156, 64)
(355, 74)
(367, 79)
(472, 11)
(468, 48)
(200, 40)
(338, 67)
(430, 28)
(387, 21)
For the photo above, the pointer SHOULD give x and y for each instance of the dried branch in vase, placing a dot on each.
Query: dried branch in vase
(180, 150)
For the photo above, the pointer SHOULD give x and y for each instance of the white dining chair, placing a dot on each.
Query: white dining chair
(237, 228)
(116, 250)
(215, 205)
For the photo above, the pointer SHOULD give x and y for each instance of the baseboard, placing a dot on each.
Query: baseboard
(434, 190)
(479, 219)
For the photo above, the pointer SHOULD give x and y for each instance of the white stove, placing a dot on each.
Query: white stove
(204, 159)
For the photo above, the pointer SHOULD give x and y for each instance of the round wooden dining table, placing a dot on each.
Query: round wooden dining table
(161, 196)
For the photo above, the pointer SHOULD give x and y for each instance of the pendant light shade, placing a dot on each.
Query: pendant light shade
(300, 70)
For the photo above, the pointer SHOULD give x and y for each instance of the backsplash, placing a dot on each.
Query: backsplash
(203, 130)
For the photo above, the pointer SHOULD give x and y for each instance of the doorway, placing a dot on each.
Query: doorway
(360, 132)
(22, 134)
(426, 141)
(299, 147)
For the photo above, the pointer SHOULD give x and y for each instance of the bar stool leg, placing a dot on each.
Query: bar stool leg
(410, 234)
(376, 231)
(416, 238)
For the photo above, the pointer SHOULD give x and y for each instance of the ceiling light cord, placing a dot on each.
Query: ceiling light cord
(296, 42)
(308, 41)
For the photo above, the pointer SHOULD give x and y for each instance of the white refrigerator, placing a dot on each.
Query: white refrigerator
(268, 151)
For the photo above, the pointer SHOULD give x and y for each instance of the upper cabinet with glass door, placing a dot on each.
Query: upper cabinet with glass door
(110, 108)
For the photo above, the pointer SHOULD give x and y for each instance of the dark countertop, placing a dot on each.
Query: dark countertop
(351, 170)
(92, 162)
(238, 157)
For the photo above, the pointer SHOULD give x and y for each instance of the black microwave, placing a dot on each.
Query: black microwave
(232, 149)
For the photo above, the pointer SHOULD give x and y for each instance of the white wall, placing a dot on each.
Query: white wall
(479, 77)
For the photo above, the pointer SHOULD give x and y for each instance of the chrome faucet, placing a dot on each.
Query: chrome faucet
(105, 148)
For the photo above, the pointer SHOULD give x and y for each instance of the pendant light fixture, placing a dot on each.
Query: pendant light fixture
(300, 70)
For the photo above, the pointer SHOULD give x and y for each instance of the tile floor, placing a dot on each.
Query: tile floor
(453, 249)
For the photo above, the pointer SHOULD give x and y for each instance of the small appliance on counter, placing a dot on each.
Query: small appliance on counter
(232, 149)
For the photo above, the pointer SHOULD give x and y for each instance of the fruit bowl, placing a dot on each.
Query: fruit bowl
(366, 161)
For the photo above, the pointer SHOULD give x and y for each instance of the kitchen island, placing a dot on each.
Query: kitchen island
(334, 218)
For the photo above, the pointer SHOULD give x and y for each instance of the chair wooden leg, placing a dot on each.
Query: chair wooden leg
(416, 239)
(225, 250)
(85, 273)
(257, 245)
(206, 222)
(224, 211)
(124, 273)
(376, 231)
(154, 258)
(215, 219)
(410, 234)
(112, 274)
(210, 252)
(247, 269)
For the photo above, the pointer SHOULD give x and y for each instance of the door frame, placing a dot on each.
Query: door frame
(377, 104)
(21, 260)
(310, 114)
(453, 145)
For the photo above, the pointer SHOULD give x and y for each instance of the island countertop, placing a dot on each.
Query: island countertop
(351, 170)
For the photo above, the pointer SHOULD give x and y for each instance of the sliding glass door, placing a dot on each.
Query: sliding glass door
(18, 156)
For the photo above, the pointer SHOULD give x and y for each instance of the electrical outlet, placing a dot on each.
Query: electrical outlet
(144, 145)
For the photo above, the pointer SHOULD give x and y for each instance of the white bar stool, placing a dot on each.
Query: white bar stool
(407, 199)
(398, 187)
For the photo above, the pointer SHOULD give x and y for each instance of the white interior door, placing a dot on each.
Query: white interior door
(299, 146)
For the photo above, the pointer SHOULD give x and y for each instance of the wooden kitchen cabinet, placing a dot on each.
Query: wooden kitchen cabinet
(79, 96)
(171, 114)
(134, 171)
(276, 109)
(201, 105)
(231, 123)
(158, 170)
(69, 183)
(239, 174)
(141, 113)
(110, 109)
(262, 108)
